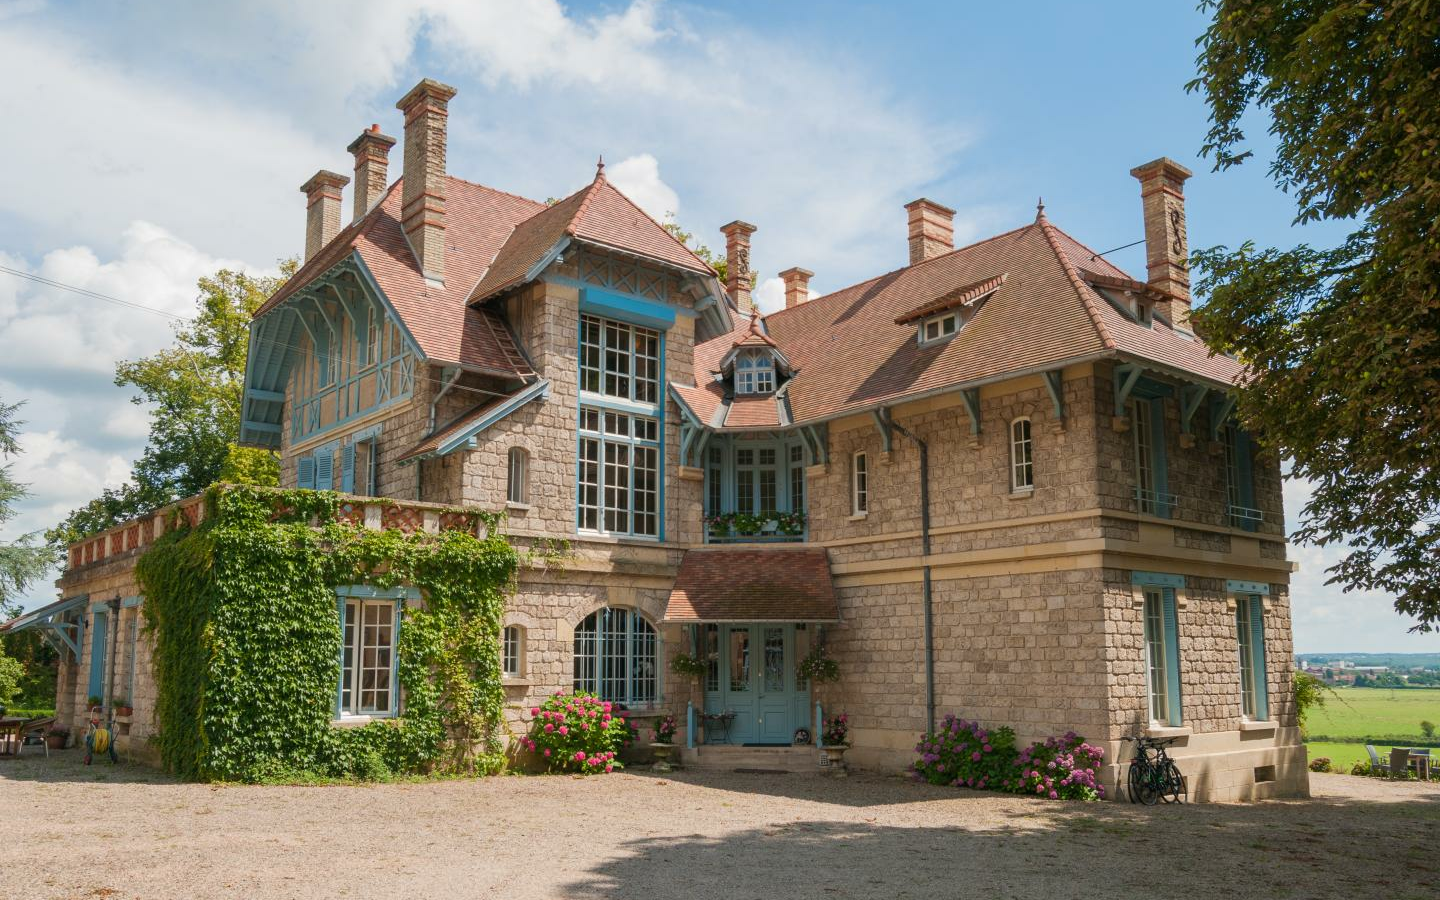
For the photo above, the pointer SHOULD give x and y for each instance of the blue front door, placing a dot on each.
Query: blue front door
(755, 680)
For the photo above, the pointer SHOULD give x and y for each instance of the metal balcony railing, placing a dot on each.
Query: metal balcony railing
(1156, 503)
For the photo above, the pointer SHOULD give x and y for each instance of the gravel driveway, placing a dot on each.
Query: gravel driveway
(127, 832)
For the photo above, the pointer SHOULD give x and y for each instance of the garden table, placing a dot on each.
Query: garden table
(721, 721)
(10, 727)
(1420, 762)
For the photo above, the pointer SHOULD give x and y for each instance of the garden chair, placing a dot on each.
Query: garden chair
(1378, 765)
(1399, 762)
(39, 726)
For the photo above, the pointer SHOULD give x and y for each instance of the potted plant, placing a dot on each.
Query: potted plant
(123, 707)
(95, 702)
(689, 666)
(662, 741)
(55, 738)
(834, 741)
(817, 666)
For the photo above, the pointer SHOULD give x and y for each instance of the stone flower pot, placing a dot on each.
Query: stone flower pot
(835, 755)
(662, 754)
(56, 741)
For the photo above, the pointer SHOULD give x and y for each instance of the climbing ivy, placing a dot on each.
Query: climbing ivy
(247, 641)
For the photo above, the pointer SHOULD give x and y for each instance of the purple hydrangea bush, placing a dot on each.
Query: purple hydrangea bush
(1060, 768)
(966, 754)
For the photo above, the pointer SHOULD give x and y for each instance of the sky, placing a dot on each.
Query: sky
(165, 140)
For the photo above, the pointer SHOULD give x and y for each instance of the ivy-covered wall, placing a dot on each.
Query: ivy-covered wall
(247, 641)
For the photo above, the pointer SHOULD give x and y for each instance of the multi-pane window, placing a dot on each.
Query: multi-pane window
(1162, 661)
(1022, 456)
(754, 372)
(517, 487)
(797, 478)
(619, 360)
(712, 657)
(1239, 487)
(937, 327)
(1250, 634)
(367, 678)
(714, 486)
(619, 473)
(615, 656)
(512, 643)
(859, 484)
(1143, 428)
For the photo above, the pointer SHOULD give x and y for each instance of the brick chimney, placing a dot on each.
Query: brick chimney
(1162, 194)
(932, 229)
(372, 162)
(422, 211)
(737, 263)
(322, 209)
(797, 285)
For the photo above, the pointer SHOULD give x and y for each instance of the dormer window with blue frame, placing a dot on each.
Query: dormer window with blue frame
(754, 372)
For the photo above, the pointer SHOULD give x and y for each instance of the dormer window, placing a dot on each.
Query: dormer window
(942, 318)
(940, 327)
(754, 372)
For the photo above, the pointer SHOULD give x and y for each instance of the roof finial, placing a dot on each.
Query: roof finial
(600, 167)
(1039, 208)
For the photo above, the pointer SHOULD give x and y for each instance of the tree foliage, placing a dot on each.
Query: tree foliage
(708, 256)
(1342, 344)
(21, 560)
(194, 391)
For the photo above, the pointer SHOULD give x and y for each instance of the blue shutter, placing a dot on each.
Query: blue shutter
(305, 472)
(1244, 471)
(97, 655)
(347, 468)
(1172, 657)
(1157, 457)
(1257, 655)
(325, 471)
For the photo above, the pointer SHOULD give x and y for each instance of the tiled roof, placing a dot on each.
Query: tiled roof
(773, 584)
(478, 219)
(432, 443)
(598, 213)
(851, 353)
(956, 298)
(752, 411)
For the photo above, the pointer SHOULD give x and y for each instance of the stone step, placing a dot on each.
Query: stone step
(760, 759)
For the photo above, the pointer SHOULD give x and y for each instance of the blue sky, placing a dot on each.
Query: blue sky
(167, 139)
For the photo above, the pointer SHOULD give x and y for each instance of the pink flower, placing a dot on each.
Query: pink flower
(549, 727)
(1039, 788)
(564, 729)
(986, 748)
(605, 706)
(1054, 796)
(975, 757)
(609, 768)
(534, 710)
(547, 751)
(579, 755)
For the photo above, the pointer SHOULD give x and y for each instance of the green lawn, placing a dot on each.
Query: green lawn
(1376, 714)
(1342, 756)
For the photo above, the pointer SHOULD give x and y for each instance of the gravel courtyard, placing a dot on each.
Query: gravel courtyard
(127, 832)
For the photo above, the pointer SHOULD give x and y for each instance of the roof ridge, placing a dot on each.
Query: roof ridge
(969, 246)
(1075, 282)
(590, 193)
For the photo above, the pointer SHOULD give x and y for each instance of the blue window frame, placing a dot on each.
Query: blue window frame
(1250, 635)
(99, 637)
(370, 620)
(1147, 421)
(616, 656)
(1162, 645)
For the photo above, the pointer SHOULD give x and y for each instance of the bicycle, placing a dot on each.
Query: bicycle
(1153, 775)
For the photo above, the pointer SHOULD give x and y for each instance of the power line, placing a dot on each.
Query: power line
(50, 282)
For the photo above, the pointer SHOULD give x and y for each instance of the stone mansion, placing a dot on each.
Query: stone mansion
(1003, 481)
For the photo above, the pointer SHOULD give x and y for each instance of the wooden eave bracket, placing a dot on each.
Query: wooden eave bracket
(971, 398)
(1055, 385)
(1127, 375)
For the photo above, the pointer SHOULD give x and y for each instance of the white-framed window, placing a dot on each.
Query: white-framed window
(619, 473)
(1250, 635)
(1162, 654)
(367, 664)
(939, 327)
(366, 465)
(517, 476)
(714, 480)
(754, 372)
(512, 651)
(615, 656)
(619, 360)
(859, 484)
(1142, 427)
(797, 478)
(1022, 457)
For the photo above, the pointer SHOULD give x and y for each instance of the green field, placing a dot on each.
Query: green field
(1379, 716)
(1375, 714)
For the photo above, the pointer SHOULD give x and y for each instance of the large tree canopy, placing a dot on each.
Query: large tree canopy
(1341, 342)
(194, 389)
(21, 560)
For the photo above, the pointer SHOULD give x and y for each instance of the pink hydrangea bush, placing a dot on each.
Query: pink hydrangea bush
(577, 733)
(966, 754)
(1060, 768)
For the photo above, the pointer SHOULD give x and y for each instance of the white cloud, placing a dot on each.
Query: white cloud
(769, 295)
(638, 177)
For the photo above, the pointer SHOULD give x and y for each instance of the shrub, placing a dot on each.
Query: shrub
(578, 733)
(836, 731)
(1060, 768)
(1361, 768)
(965, 754)
(1321, 764)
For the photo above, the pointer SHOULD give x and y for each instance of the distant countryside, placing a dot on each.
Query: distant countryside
(1388, 700)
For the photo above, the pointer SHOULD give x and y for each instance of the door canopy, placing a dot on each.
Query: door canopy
(772, 584)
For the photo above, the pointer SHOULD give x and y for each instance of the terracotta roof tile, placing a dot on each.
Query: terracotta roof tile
(956, 298)
(751, 411)
(773, 584)
(432, 442)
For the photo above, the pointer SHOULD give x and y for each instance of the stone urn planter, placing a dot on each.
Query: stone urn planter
(662, 756)
(833, 760)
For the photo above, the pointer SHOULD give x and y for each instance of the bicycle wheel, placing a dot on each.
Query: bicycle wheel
(1133, 783)
(1142, 785)
(1174, 783)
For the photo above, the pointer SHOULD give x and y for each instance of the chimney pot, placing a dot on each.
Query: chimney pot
(1167, 252)
(422, 211)
(372, 163)
(932, 229)
(322, 209)
(797, 286)
(737, 263)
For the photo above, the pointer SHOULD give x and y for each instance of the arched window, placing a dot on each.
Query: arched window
(1022, 463)
(512, 651)
(517, 484)
(754, 372)
(615, 653)
(860, 485)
